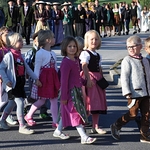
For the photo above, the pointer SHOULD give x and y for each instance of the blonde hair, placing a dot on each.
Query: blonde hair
(147, 42)
(87, 35)
(43, 35)
(2, 30)
(12, 39)
(134, 39)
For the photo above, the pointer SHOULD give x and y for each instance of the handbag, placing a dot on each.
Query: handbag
(34, 93)
(102, 83)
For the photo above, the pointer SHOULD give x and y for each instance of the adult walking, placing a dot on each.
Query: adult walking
(11, 16)
(58, 20)
(80, 16)
(26, 19)
(41, 16)
(68, 20)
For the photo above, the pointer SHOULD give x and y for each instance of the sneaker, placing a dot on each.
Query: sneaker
(10, 120)
(145, 139)
(61, 135)
(25, 130)
(98, 130)
(115, 132)
(4, 125)
(44, 116)
(89, 140)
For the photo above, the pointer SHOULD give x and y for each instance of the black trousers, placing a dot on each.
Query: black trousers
(26, 31)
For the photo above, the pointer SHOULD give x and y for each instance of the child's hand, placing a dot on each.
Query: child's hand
(64, 102)
(89, 83)
(128, 96)
(38, 83)
(9, 84)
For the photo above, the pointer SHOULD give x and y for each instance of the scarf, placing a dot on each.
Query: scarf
(19, 62)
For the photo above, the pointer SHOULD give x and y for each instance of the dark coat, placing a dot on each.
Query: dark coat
(44, 15)
(11, 21)
(28, 18)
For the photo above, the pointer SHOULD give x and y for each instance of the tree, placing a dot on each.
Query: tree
(3, 3)
(147, 3)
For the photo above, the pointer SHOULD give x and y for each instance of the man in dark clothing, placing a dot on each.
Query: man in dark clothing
(99, 21)
(11, 16)
(2, 17)
(79, 18)
(26, 20)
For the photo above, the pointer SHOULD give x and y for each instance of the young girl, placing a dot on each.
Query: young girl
(3, 50)
(72, 108)
(46, 71)
(12, 69)
(92, 71)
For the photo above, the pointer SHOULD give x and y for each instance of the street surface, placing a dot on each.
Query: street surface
(112, 49)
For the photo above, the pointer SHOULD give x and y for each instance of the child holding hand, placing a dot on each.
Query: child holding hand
(12, 70)
(46, 70)
(135, 73)
(91, 64)
(72, 108)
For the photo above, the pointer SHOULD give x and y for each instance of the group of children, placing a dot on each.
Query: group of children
(79, 64)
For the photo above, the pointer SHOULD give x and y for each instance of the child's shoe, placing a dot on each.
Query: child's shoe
(89, 140)
(89, 124)
(61, 135)
(29, 121)
(10, 120)
(4, 125)
(45, 116)
(98, 130)
(54, 125)
(115, 132)
(25, 130)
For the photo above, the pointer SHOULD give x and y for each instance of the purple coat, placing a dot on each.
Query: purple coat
(70, 78)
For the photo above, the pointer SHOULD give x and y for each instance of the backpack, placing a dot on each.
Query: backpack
(30, 57)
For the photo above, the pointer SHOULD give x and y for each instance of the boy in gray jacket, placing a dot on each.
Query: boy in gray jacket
(135, 81)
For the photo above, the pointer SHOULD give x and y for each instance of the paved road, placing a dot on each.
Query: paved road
(113, 48)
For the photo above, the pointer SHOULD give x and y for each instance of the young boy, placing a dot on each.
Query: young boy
(147, 47)
(135, 81)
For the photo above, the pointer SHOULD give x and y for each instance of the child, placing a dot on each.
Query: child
(30, 59)
(80, 42)
(135, 74)
(72, 108)
(147, 47)
(3, 50)
(92, 71)
(46, 71)
(12, 69)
